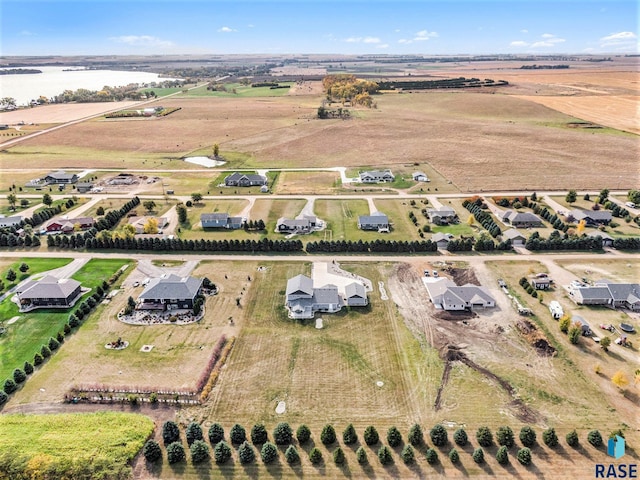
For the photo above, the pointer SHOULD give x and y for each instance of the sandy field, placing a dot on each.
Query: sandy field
(61, 113)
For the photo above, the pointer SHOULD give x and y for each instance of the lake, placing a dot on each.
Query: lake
(55, 80)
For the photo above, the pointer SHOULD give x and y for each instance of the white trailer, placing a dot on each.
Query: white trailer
(556, 310)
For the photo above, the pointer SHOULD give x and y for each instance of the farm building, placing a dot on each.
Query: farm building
(221, 220)
(420, 177)
(10, 221)
(238, 179)
(84, 187)
(378, 221)
(170, 293)
(61, 177)
(446, 295)
(442, 215)
(377, 176)
(541, 282)
(49, 292)
(303, 299)
(62, 225)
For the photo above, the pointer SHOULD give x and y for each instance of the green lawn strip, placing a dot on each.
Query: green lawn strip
(341, 217)
(106, 440)
(25, 337)
(241, 91)
(36, 265)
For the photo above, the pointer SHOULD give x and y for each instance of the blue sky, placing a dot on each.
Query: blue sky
(53, 27)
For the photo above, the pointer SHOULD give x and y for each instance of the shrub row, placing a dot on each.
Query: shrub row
(556, 241)
(215, 372)
(377, 246)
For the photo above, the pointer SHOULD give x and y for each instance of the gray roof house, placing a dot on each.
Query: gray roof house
(517, 239)
(49, 292)
(521, 219)
(607, 240)
(442, 215)
(139, 223)
(355, 295)
(170, 293)
(592, 218)
(378, 221)
(420, 177)
(377, 176)
(10, 221)
(446, 295)
(297, 225)
(61, 177)
(83, 187)
(220, 220)
(303, 300)
(238, 179)
(441, 239)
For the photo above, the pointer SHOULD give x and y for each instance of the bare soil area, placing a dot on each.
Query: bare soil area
(61, 113)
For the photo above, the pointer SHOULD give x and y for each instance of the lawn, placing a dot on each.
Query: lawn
(193, 229)
(108, 441)
(5, 208)
(341, 217)
(107, 204)
(308, 183)
(271, 210)
(398, 213)
(33, 329)
(237, 90)
(218, 188)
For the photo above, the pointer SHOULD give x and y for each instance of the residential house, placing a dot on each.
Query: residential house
(521, 219)
(61, 178)
(377, 176)
(139, 223)
(84, 187)
(63, 225)
(14, 221)
(517, 239)
(170, 293)
(446, 295)
(443, 215)
(49, 292)
(305, 224)
(606, 293)
(592, 218)
(303, 300)
(238, 179)
(541, 282)
(221, 220)
(377, 221)
(607, 240)
(441, 239)
(355, 295)
(420, 177)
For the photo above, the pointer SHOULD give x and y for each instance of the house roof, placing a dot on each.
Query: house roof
(593, 293)
(521, 217)
(214, 217)
(441, 211)
(355, 289)
(512, 234)
(70, 222)
(580, 214)
(235, 220)
(48, 287)
(10, 221)
(598, 233)
(469, 293)
(376, 173)
(376, 219)
(300, 284)
(293, 223)
(438, 237)
(61, 175)
(326, 294)
(621, 292)
(252, 177)
(140, 221)
(171, 287)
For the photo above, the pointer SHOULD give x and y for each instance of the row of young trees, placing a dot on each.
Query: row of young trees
(482, 217)
(283, 435)
(556, 241)
(46, 350)
(376, 246)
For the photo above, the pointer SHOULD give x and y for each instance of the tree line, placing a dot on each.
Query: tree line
(556, 241)
(376, 246)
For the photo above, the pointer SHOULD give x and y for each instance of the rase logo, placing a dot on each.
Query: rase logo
(615, 449)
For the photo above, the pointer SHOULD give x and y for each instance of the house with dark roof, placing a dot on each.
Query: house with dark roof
(592, 218)
(517, 239)
(355, 295)
(221, 220)
(48, 292)
(377, 176)
(377, 221)
(64, 225)
(60, 178)
(521, 219)
(443, 215)
(606, 293)
(607, 240)
(83, 187)
(305, 224)
(170, 293)
(13, 221)
(238, 179)
(441, 239)
(446, 295)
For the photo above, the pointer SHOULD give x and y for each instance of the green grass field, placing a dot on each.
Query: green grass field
(102, 443)
(24, 338)
(236, 90)
(341, 217)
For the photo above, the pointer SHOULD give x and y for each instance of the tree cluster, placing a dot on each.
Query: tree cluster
(556, 241)
(482, 217)
(377, 246)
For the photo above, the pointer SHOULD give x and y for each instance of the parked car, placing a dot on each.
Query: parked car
(630, 205)
(136, 284)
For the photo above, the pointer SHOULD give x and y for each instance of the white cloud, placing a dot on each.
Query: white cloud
(251, 25)
(619, 36)
(362, 40)
(524, 30)
(26, 33)
(425, 35)
(519, 43)
(353, 39)
(547, 35)
(622, 41)
(371, 40)
(142, 41)
(397, 30)
(405, 41)
(226, 30)
(383, 45)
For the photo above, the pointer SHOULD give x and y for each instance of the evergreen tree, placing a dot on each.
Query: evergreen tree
(303, 434)
(28, 368)
(37, 359)
(384, 455)
(170, 432)
(282, 434)
(3, 397)
(9, 386)
(349, 436)
(19, 376)
(527, 436)
(431, 455)
(361, 456)
(484, 437)
(152, 451)
(315, 456)
(502, 456)
(408, 454)
(175, 452)
(269, 453)
(394, 437)
(216, 433)
(328, 435)
(594, 437)
(438, 435)
(524, 456)
(258, 434)
(291, 455)
(460, 437)
(246, 454)
(454, 456)
(416, 437)
(371, 436)
(550, 438)
(193, 433)
(478, 455)
(200, 452)
(338, 456)
(237, 434)
(572, 439)
(504, 436)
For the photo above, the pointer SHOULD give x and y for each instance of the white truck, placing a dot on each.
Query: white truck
(556, 310)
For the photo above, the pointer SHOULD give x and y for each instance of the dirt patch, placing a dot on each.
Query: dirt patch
(463, 276)
(535, 338)
(456, 315)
